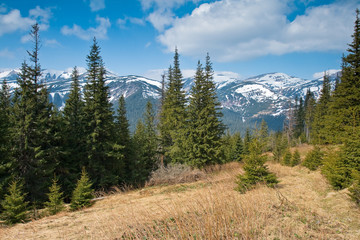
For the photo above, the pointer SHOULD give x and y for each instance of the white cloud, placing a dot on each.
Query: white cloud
(42, 16)
(99, 32)
(5, 53)
(161, 19)
(321, 74)
(121, 22)
(51, 43)
(3, 8)
(242, 29)
(97, 5)
(13, 21)
(26, 38)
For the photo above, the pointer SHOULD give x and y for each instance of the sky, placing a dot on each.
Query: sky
(137, 37)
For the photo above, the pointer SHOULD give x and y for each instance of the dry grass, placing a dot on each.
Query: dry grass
(302, 207)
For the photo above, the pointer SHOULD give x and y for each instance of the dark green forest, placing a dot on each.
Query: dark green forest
(48, 157)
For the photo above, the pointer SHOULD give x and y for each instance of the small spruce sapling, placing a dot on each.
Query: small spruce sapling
(14, 205)
(255, 170)
(56, 200)
(354, 190)
(83, 193)
(295, 160)
(314, 159)
(287, 158)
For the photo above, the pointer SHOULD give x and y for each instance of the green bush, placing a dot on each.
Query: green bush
(83, 193)
(354, 190)
(314, 159)
(14, 205)
(255, 170)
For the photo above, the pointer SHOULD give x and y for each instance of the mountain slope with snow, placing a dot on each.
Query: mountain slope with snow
(244, 102)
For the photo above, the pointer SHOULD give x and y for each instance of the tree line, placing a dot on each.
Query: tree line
(42, 148)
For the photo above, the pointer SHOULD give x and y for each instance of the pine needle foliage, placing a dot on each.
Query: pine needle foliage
(83, 193)
(354, 190)
(314, 159)
(55, 203)
(287, 158)
(295, 160)
(14, 205)
(255, 170)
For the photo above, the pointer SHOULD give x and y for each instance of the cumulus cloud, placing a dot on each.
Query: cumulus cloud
(161, 19)
(96, 5)
(242, 29)
(99, 32)
(121, 22)
(13, 21)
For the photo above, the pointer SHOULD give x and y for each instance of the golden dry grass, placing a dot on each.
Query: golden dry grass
(302, 207)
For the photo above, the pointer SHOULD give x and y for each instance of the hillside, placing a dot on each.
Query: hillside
(303, 206)
(244, 101)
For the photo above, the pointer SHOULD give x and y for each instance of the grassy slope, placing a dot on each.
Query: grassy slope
(302, 207)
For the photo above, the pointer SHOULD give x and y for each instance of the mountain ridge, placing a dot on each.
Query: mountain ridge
(244, 101)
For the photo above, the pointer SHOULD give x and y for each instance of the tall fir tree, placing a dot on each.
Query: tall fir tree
(309, 105)
(123, 139)
(101, 166)
(146, 141)
(320, 133)
(34, 160)
(5, 137)
(344, 111)
(74, 137)
(299, 119)
(173, 115)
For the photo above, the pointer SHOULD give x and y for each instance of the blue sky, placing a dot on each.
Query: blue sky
(248, 37)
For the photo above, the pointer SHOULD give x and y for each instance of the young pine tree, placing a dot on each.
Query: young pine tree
(14, 205)
(255, 170)
(287, 158)
(314, 159)
(83, 193)
(295, 160)
(55, 203)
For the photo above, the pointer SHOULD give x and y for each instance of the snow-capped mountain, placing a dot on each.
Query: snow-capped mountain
(244, 102)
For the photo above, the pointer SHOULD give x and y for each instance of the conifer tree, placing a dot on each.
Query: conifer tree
(123, 139)
(287, 158)
(14, 205)
(73, 136)
(299, 119)
(99, 127)
(239, 148)
(34, 160)
(247, 140)
(173, 114)
(309, 105)
(314, 159)
(320, 133)
(264, 135)
(255, 170)
(295, 160)
(55, 201)
(204, 125)
(83, 193)
(344, 111)
(354, 190)
(5, 138)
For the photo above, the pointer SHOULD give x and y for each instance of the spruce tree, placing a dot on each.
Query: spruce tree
(173, 114)
(314, 159)
(239, 148)
(5, 137)
(101, 165)
(204, 125)
(354, 190)
(309, 105)
(295, 160)
(123, 139)
(14, 205)
(34, 158)
(299, 119)
(146, 141)
(83, 193)
(255, 170)
(74, 137)
(344, 110)
(320, 133)
(247, 141)
(55, 201)
(287, 158)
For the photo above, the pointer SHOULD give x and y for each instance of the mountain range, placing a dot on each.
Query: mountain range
(244, 101)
